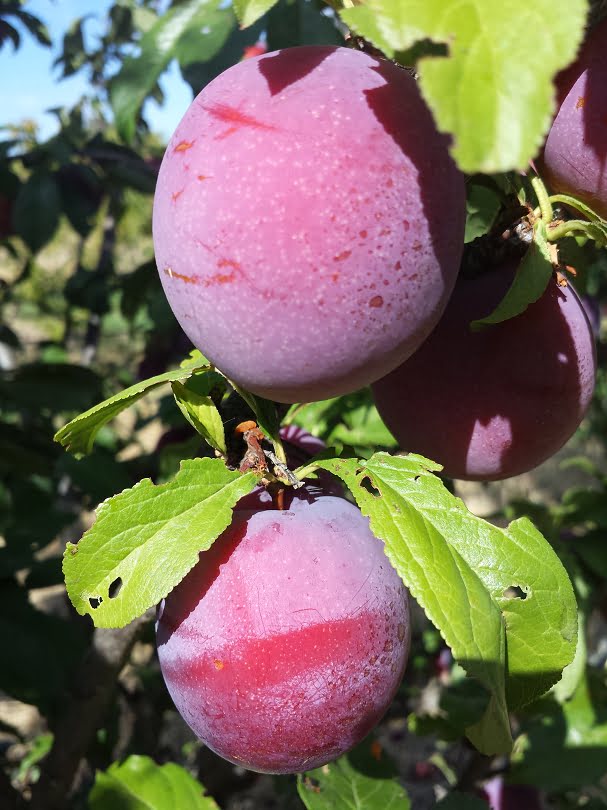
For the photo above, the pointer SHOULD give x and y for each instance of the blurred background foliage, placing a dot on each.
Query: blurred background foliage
(83, 315)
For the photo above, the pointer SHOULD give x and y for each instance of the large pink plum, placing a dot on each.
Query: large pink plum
(286, 643)
(497, 402)
(574, 160)
(308, 221)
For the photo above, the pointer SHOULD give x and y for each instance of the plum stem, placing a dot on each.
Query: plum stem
(543, 199)
(279, 449)
(576, 226)
(305, 471)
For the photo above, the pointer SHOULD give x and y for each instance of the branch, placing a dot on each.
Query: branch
(91, 694)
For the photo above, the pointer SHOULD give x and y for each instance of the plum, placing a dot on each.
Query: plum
(500, 795)
(308, 221)
(494, 403)
(285, 644)
(574, 159)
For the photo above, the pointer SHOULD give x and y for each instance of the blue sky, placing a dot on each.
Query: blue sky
(29, 85)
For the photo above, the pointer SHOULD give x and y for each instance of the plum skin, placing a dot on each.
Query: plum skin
(574, 159)
(308, 221)
(495, 403)
(285, 644)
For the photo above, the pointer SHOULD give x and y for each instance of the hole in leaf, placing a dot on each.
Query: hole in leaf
(95, 601)
(515, 592)
(312, 784)
(114, 588)
(367, 483)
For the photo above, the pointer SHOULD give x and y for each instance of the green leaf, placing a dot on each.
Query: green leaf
(530, 281)
(138, 75)
(575, 671)
(44, 649)
(140, 784)
(37, 209)
(352, 420)
(50, 387)
(249, 11)
(40, 747)
(482, 207)
(122, 165)
(493, 91)
(299, 23)
(364, 779)
(146, 539)
(202, 414)
(198, 69)
(74, 54)
(199, 45)
(264, 410)
(564, 746)
(462, 570)
(35, 26)
(79, 434)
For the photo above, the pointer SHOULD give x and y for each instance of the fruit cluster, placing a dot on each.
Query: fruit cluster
(309, 230)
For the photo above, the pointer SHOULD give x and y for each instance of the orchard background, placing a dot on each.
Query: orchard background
(85, 718)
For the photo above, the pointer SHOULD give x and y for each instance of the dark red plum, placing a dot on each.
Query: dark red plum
(500, 795)
(492, 404)
(574, 159)
(284, 646)
(308, 221)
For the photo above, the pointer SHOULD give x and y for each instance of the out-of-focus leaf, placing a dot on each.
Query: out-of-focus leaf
(140, 784)
(139, 74)
(40, 747)
(35, 26)
(9, 32)
(289, 24)
(81, 195)
(37, 209)
(26, 452)
(199, 70)
(249, 11)
(592, 549)
(43, 650)
(123, 165)
(564, 746)
(73, 56)
(99, 475)
(199, 44)
(50, 387)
